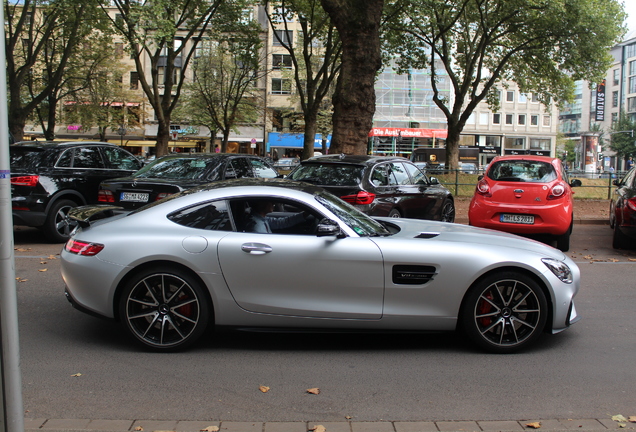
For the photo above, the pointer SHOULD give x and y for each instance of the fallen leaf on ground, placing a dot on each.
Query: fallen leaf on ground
(632, 419)
(22, 249)
(619, 418)
(314, 390)
(319, 428)
(139, 428)
(76, 375)
(612, 260)
(19, 279)
(264, 389)
(587, 257)
(52, 257)
(632, 259)
(534, 425)
(42, 270)
(42, 262)
(210, 429)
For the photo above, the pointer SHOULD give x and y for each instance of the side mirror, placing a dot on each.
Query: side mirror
(576, 183)
(479, 177)
(616, 182)
(327, 227)
(433, 180)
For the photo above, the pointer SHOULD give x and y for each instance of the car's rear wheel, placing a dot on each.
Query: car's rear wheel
(563, 241)
(448, 211)
(395, 213)
(164, 309)
(619, 240)
(57, 227)
(504, 312)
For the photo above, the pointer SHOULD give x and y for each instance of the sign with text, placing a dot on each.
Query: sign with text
(600, 101)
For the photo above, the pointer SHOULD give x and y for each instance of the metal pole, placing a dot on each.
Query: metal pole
(13, 412)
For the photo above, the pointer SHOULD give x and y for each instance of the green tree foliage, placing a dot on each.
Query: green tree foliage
(163, 36)
(224, 91)
(358, 23)
(623, 136)
(40, 39)
(541, 45)
(315, 59)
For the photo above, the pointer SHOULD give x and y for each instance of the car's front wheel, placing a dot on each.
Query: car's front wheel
(504, 312)
(164, 309)
(57, 227)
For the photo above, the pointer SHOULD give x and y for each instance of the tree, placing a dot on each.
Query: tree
(315, 58)
(541, 45)
(623, 137)
(167, 33)
(223, 93)
(40, 38)
(358, 23)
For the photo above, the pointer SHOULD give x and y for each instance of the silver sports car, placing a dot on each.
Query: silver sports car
(214, 255)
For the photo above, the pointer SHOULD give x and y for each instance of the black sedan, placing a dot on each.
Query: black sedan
(380, 186)
(622, 215)
(174, 173)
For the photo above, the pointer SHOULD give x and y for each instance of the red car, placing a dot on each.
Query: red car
(525, 195)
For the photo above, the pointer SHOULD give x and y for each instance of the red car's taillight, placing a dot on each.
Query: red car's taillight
(104, 195)
(631, 203)
(558, 190)
(162, 195)
(361, 198)
(483, 188)
(83, 248)
(30, 181)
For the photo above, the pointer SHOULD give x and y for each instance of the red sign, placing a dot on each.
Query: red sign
(409, 132)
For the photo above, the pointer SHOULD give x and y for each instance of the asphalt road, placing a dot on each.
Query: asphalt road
(77, 366)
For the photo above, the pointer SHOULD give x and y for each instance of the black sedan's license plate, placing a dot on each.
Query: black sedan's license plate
(134, 197)
(517, 218)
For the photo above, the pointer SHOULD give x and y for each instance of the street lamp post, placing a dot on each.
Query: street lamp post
(121, 132)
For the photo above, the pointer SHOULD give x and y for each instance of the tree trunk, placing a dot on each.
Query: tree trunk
(163, 138)
(358, 23)
(309, 141)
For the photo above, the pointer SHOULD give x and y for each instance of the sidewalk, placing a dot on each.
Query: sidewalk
(588, 425)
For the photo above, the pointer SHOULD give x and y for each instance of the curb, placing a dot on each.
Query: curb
(552, 425)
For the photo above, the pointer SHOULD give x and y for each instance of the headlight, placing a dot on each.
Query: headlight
(560, 269)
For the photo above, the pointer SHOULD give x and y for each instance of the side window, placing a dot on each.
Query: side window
(66, 160)
(416, 174)
(398, 175)
(262, 170)
(87, 157)
(208, 216)
(379, 176)
(273, 216)
(120, 159)
(238, 168)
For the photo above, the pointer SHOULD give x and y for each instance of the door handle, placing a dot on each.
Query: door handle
(256, 248)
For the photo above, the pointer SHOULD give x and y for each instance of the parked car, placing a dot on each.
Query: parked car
(173, 268)
(525, 195)
(50, 178)
(174, 173)
(622, 215)
(379, 185)
(285, 165)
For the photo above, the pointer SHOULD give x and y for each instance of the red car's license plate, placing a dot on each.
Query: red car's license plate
(516, 218)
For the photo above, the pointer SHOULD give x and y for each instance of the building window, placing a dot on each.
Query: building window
(616, 76)
(539, 143)
(283, 38)
(483, 118)
(631, 104)
(547, 120)
(514, 143)
(510, 96)
(534, 120)
(134, 80)
(281, 86)
(521, 119)
(615, 99)
(632, 85)
(281, 61)
(632, 67)
(523, 98)
(535, 98)
(119, 49)
(614, 119)
(496, 119)
(508, 119)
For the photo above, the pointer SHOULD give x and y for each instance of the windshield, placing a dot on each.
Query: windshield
(328, 174)
(359, 222)
(522, 171)
(175, 168)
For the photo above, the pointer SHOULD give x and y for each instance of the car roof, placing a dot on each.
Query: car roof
(206, 155)
(525, 157)
(58, 144)
(355, 159)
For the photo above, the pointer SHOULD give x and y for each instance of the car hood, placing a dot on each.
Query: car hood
(449, 232)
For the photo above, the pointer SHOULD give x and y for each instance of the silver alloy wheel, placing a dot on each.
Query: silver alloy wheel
(57, 226)
(395, 213)
(448, 211)
(164, 311)
(505, 313)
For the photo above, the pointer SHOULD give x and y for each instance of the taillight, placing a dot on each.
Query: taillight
(557, 191)
(162, 195)
(361, 198)
(83, 248)
(631, 203)
(104, 195)
(483, 187)
(30, 181)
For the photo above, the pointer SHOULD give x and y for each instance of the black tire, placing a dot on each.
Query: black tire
(504, 312)
(448, 211)
(57, 227)
(619, 240)
(395, 213)
(164, 309)
(563, 241)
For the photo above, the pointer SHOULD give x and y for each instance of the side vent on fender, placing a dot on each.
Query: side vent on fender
(427, 235)
(412, 274)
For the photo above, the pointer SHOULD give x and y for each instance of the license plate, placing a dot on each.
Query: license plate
(134, 197)
(517, 218)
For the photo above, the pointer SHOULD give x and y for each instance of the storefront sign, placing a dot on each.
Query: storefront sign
(600, 101)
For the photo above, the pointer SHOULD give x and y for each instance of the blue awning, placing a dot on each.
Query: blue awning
(292, 140)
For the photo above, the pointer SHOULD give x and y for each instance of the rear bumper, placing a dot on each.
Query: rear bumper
(28, 218)
(550, 219)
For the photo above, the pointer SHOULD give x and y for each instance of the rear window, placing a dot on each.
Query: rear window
(329, 174)
(522, 171)
(26, 158)
(186, 168)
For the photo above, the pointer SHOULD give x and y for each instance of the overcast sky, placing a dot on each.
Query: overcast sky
(630, 8)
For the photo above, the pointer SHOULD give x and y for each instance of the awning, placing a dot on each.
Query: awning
(293, 140)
